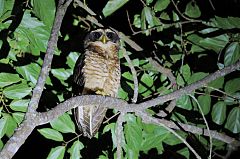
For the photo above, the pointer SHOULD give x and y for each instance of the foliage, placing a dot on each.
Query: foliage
(214, 38)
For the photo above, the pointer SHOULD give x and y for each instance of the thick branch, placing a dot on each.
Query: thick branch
(29, 123)
(52, 43)
(188, 89)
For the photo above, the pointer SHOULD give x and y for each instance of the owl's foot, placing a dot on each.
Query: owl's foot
(101, 92)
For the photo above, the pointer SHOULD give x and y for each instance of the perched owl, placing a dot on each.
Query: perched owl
(97, 71)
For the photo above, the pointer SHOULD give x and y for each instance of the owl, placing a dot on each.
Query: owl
(97, 71)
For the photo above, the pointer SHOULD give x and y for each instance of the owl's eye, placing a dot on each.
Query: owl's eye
(110, 35)
(96, 35)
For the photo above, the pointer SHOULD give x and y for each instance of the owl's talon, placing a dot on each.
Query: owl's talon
(100, 92)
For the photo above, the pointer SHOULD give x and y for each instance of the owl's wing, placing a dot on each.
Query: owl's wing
(78, 77)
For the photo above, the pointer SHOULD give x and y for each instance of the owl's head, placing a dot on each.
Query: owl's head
(102, 37)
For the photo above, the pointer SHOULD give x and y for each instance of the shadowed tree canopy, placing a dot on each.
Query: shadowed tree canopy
(180, 80)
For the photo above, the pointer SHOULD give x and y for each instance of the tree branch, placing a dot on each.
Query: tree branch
(119, 134)
(134, 74)
(29, 123)
(113, 103)
(188, 89)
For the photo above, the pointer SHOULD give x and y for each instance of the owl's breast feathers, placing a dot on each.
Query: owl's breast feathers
(101, 75)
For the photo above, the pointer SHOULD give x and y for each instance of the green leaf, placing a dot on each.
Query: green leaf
(57, 152)
(1, 144)
(8, 79)
(226, 23)
(75, 150)
(184, 152)
(5, 9)
(160, 5)
(233, 120)
(148, 15)
(2, 7)
(3, 127)
(45, 12)
(186, 72)
(11, 125)
(35, 31)
(153, 137)
(129, 78)
(1, 108)
(232, 54)
(192, 10)
(184, 76)
(149, 1)
(146, 85)
(29, 72)
(143, 20)
(18, 117)
(133, 133)
(112, 6)
(205, 103)
(216, 43)
(61, 73)
(122, 94)
(184, 102)
(217, 83)
(137, 21)
(130, 153)
(19, 105)
(135, 62)
(111, 127)
(173, 140)
(51, 134)
(196, 77)
(63, 124)
(71, 59)
(219, 112)
(232, 86)
(17, 91)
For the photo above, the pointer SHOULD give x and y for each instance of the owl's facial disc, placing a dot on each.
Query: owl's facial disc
(103, 35)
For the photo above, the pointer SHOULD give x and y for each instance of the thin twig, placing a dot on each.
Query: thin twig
(215, 89)
(130, 42)
(108, 119)
(210, 1)
(129, 22)
(181, 14)
(168, 109)
(134, 73)
(167, 26)
(205, 121)
(119, 134)
(85, 7)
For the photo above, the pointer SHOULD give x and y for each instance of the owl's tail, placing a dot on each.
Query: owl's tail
(89, 119)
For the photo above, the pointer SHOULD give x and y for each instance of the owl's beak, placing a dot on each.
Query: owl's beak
(104, 39)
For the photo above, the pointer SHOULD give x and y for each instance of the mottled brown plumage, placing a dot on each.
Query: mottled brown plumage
(97, 71)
